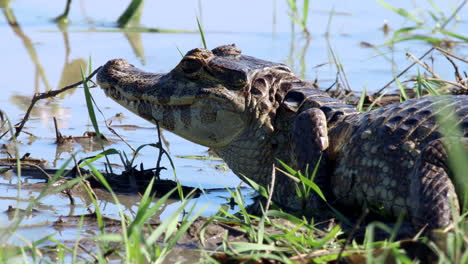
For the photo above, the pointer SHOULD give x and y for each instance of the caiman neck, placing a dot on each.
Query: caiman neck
(251, 154)
(255, 150)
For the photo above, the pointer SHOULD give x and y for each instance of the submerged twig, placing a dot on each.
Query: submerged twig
(49, 94)
(39, 168)
(58, 135)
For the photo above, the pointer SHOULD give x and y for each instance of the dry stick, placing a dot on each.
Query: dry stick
(111, 129)
(96, 259)
(424, 65)
(333, 84)
(118, 135)
(316, 254)
(48, 94)
(404, 71)
(58, 135)
(348, 240)
(300, 256)
(272, 188)
(445, 81)
(454, 65)
(458, 84)
(451, 54)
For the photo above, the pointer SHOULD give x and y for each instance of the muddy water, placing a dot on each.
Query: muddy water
(38, 55)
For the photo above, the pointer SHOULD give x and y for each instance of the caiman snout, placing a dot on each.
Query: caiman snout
(113, 72)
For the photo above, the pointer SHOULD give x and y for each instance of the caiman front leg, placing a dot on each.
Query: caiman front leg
(309, 141)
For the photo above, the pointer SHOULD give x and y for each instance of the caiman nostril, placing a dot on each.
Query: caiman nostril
(118, 62)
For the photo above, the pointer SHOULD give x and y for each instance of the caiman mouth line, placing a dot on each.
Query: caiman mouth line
(132, 87)
(113, 92)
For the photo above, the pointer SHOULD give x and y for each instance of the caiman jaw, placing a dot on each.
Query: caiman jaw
(126, 84)
(181, 106)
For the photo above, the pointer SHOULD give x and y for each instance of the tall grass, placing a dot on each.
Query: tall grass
(202, 34)
(131, 13)
(299, 17)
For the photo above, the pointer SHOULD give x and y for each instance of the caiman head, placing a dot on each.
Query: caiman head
(210, 97)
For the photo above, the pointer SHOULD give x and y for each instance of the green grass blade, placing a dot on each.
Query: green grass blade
(290, 170)
(455, 35)
(180, 52)
(91, 112)
(305, 13)
(169, 225)
(328, 237)
(200, 29)
(258, 188)
(427, 39)
(360, 105)
(458, 155)
(185, 226)
(404, 30)
(312, 185)
(400, 11)
(292, 5)
(403, 94)
(284, 215)
(438, 10)
(104, 153)
(376, 100)
(130, 12)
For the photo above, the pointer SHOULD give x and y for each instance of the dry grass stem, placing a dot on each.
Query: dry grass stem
(272, 188)
(424, 65)
(404, 71)
(451, 55)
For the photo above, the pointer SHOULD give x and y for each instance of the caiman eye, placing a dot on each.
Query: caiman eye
(190, 66)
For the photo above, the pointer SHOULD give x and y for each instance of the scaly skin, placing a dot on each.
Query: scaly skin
(254, 112)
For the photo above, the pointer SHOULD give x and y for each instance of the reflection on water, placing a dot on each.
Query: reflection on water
(45, 111)
(71, 73)
(298, 47)
(134, 38)
(28, 44)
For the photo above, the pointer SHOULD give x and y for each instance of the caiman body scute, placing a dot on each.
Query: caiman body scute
(253, 113)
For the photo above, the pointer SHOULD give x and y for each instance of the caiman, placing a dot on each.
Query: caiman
(253, 112)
